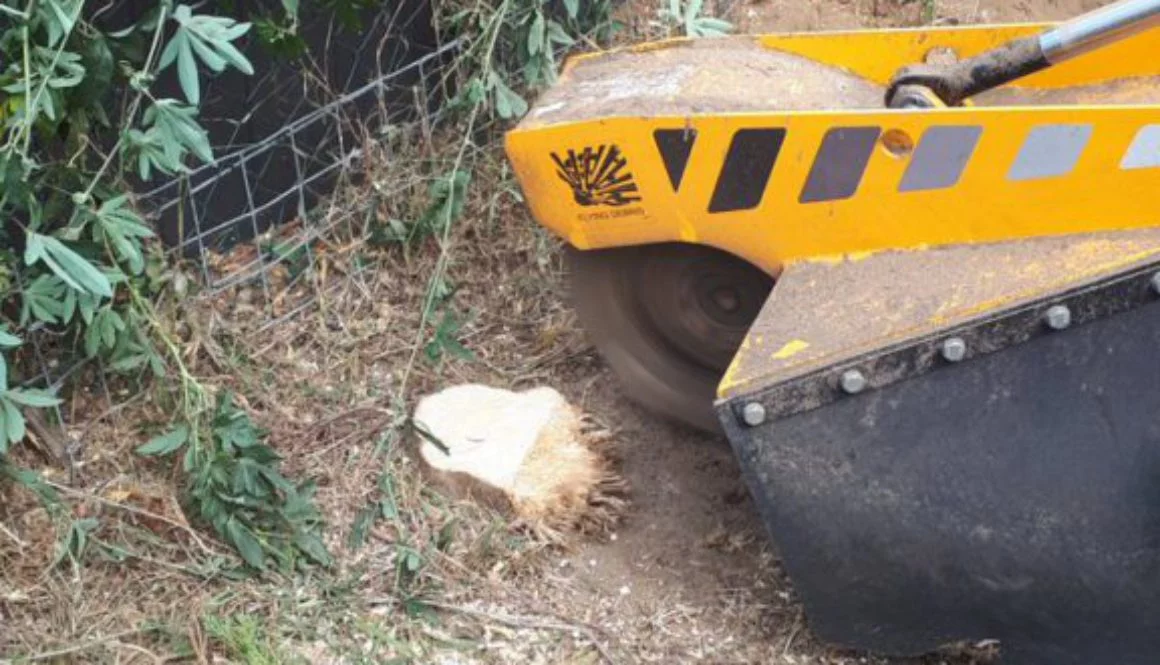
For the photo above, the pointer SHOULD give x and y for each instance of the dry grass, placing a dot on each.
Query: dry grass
(329, 361)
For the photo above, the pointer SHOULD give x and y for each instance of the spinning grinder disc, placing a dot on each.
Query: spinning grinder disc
(667, 318)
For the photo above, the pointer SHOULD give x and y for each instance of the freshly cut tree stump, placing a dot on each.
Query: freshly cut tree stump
(529, 452)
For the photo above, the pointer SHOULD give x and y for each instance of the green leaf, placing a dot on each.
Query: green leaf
(248, 546)
(165, 443)
(177, 130)
(13, 421)
(508, 104)
(204, 53)
(312, 546)
(40, 399)
(187, 70)
(711, 27)
(92, 341)
(536, 34)
(189, 459)
(3, 374)
(235, 57)
(8, 340)
(33, 248)
(412, 560)
(209, 37)
(100, 67)
(72, 268)
(245, 480)
(118, 224)
(63, 17)
(558, 35)
(572, 7)
(42, 300)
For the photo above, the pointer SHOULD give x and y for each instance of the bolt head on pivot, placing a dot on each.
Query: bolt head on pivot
(1057, 317)
(753, 414)
(953, 350)
(853, 381)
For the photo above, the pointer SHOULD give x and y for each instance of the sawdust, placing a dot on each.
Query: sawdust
(1141, 90)
(681, 79)
(759, 16)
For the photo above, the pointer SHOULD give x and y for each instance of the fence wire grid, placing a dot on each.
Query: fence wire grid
(260, 208)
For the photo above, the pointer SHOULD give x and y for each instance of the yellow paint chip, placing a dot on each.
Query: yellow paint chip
(791, 348)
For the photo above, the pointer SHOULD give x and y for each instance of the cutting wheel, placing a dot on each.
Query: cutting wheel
(667, 318)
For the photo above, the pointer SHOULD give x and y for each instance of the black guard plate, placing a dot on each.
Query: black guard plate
(1015, 496)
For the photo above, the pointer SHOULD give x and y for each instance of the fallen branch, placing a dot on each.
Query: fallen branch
(529, 622)
(8, 532)
(85, 646)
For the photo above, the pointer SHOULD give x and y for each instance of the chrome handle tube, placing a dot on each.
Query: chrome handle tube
(1099, 27)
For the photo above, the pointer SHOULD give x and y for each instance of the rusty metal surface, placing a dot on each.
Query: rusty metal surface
(826, 313)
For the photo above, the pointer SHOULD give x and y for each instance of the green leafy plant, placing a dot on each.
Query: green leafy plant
(929, 10)
(64, 197)
(687, 17)
(80, 116)
(515, 46)
(236, 486)
(12, 399)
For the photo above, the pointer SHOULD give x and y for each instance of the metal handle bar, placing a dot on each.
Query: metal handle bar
(951, 84)
(1098, 28)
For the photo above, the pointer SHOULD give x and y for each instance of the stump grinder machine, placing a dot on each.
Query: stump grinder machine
(914, 278)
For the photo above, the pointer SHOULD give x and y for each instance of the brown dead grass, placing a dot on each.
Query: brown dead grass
(330, 364)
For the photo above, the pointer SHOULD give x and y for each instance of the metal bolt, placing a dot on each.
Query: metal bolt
(1057, 317)
(1156, 283)
(853, 381)
(954, 349)
(753, 414)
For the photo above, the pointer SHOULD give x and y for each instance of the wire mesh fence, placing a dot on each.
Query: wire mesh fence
(252, 219)
(277, 221)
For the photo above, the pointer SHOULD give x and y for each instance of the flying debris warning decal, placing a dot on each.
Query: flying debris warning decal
(597, 176)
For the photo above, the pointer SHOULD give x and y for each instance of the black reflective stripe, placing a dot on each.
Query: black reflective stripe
(675, 146)
(752, 154)
(840, 164)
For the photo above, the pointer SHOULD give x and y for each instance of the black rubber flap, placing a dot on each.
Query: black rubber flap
(1014, 496)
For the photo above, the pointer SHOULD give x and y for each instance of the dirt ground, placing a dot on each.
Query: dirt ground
(691, 575)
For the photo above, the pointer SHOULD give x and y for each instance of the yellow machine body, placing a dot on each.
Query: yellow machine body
(1027, 166)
